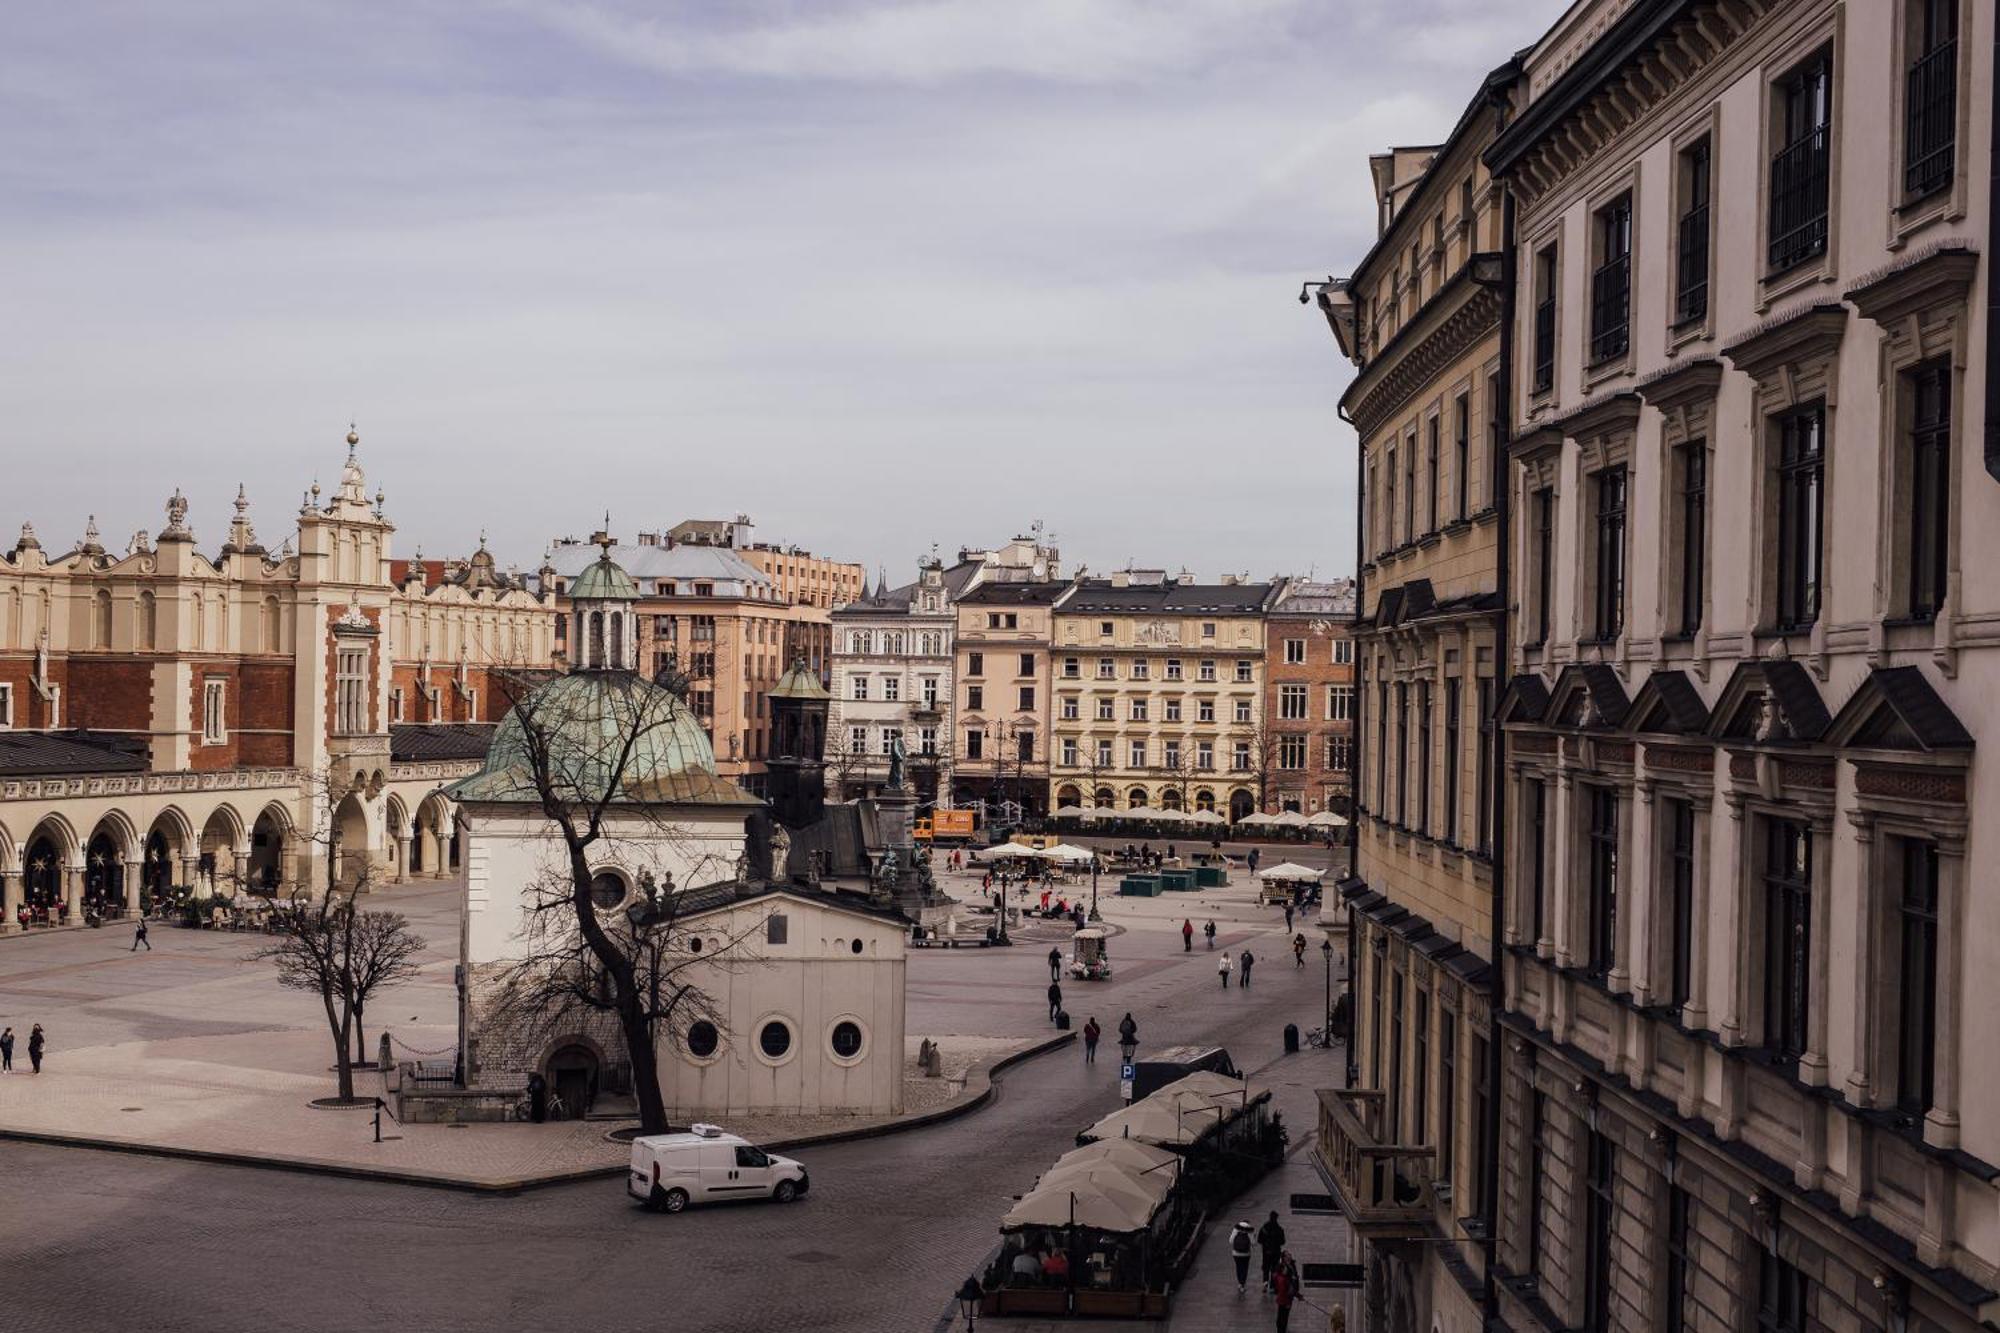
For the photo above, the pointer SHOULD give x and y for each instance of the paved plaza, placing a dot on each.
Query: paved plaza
(198, 1037)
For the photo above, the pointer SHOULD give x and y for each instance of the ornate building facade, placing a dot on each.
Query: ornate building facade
(1751, 663)
(1405, 1143)
(170, 717)
(1158, 690)
(892, 680)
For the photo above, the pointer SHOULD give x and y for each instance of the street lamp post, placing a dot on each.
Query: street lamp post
(1094, 916)
(968, 1301)
(1326, 950)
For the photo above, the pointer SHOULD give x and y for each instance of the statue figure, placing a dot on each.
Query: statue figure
(781, 850)
(897, 755)
(886, 876)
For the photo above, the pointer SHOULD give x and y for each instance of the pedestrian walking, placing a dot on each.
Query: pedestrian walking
(1253, 860)
(1239, 1250)
(139, 937)
(1128, 1035)
(538, 1098)
(1055, 964)
(1288, 916)
(1055, 1001)
(1187, 936)
(1091, 1032)
(1271, 1244)
(1209, 930)
(7, 1051)
(1243, 975)
(36, 1041)
(1286, 1287)
(1298, 951)
(1222, 969)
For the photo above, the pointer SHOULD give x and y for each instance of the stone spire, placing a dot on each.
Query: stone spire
(242, 536)
(90, 545)
(353, 481)
(29, 541)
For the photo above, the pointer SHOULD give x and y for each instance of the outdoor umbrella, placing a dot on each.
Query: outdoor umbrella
(1254, 818)
(1288, 819)
(1291, 870)
(1327, 819)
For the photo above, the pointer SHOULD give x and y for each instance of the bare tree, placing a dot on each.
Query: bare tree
(581, 955)
(1260, 748)
(842, 759)
(325, 945)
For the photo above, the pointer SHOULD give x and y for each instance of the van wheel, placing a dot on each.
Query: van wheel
(785, 1192)
(673, 1200)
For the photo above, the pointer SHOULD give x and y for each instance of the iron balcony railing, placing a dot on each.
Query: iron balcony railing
(1799, 199)
(1611, 309)
(1930, 128)
(1691, 298)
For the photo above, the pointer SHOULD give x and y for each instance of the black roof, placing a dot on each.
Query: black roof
(1222, 598)
(1525, 700)
(1668, 702)
(1014, 594)
(417, 743)
(1925, 718)
(29, 754)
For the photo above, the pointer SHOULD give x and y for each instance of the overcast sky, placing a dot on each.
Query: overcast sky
(882, 274)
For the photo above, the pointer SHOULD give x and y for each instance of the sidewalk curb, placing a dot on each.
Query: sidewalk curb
(964, 1104)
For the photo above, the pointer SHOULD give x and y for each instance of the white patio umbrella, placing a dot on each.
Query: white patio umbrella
(1072, 812)
(1288, 819)
(1327, 819)
(1291, 870)
(1255, 819)
(1206, 817)
(1069, 854)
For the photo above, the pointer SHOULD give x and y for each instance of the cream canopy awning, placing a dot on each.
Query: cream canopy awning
(1327, 819)
(1288, 870)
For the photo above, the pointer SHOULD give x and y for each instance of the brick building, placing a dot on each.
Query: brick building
(168, 717)
(1309, 697)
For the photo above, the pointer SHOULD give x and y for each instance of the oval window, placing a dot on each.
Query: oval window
(607, 890)
(846, 1040)
(775, 1039)
(694, 944)
(856, 946)
(702, 1039)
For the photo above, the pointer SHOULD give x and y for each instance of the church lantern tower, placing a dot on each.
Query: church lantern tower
(796, 768)
(604, 629)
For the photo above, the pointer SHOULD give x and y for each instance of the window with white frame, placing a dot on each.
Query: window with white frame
(1069, 708)
(1292, 703)
(860, 685)
(1069, 751)
(890, 735)
(1173, 710)
(1173, 668)
(350, 684)
(1204, 754)
(857, 740)
(396, 705)
(927, 740)
(1106, 669)
(1337, 753)
(1239, 757)
(1343, 652)
(6, 705)
(1242, 711)
(1140, 708)
(214, 722)
(1339, 703)
(892, 688)
(1138, 754)
(1072, 668)
(1170, 754)
(1295, 652)
(1204, 710)
(1291, 752)
(929, 691)
(1104, 754)
(1104, 707)
(1207, 669)
(1141, 669)
(1243, 671)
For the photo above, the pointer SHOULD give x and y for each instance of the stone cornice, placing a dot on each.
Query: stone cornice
(148, 784)
(1788, 338)
(1938, 275)
(1447, 327)
(1680, 383)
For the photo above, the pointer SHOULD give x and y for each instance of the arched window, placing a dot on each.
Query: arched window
(1136, 798)
(596, 654)
(1104, 798)
(270, 625)
(100, 620)
(617, 658)
(1204, 799)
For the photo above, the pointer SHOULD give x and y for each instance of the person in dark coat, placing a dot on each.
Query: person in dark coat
(1055, 964)
(1128, 1034)
(36, 1041)
(1091, 1032)
(538, 1098)
(1243, 972)
(1209, 930)
(7, 1051)
(1187, 936)
(1239, 1250)
(1271, 1242)
(1055, 1001)
(1286, 1287)
(139, 937)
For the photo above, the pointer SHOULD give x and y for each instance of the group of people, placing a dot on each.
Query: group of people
(1280, 1270)
(37, 1042)
(1222, 969)
(1128, 1035)
(1187, 934)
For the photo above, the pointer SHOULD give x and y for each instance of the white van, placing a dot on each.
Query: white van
(671, 1171)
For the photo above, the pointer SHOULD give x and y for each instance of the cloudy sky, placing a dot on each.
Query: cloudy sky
(881, 272)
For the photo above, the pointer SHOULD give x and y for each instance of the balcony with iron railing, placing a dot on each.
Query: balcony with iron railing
(1384, 1188)
(1611, 310)
(1799, 199)
(1930, 121)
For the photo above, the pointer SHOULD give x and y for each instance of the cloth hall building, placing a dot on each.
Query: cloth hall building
(174, 716)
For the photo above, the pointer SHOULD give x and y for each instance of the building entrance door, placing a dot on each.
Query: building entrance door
(573, 1075)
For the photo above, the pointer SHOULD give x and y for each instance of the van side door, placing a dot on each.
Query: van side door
(753, 1170)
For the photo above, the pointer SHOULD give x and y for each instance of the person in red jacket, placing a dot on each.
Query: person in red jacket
(1285, 1285)
(1187, 936)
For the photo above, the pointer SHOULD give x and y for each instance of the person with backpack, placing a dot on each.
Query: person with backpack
(1239, 1250)
(1128, 1035)
(1091, 1032)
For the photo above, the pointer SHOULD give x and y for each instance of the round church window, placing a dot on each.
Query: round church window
(607, 890)
(856, 946)
(846, 1040)
(775, 1039)
(702, 1039)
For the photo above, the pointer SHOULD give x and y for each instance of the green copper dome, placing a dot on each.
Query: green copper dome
(604, 581)
(583, 723)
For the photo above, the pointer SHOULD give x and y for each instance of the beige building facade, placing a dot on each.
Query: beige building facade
(1751, 663)
(1002, 645)
(1158, 695)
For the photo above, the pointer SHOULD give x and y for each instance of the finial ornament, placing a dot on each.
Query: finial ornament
(177, 511)
(353, 437)
(242, 500)
(28, 539)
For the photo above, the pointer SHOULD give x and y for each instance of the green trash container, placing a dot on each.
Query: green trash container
(1210, 877)
(1177, 881)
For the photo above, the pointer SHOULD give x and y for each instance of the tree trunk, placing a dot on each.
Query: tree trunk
(360, 1037)
(339, 1020)
(645, 1071)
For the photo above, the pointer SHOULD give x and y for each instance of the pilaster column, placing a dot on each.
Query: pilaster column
(402, 857)
(190, 867)
(1941, 1123)
(1813, 1063)
(1867, 957)
(1562, 902)
(1628, 966)
(135, 874)
(1695, 1013)
(1729, 906)
(72, 882)
(242, 860)
(10, 901)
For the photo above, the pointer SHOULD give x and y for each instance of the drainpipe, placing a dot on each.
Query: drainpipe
(1503, 430)
(1355, 786)
(1992, 288)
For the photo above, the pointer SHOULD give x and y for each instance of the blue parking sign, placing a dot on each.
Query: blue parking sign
(1125, 1073)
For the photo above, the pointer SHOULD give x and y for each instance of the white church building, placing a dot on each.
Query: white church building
(805, 989)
